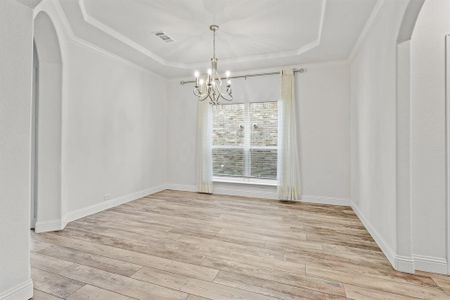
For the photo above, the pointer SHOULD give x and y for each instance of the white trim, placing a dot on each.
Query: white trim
(387, 250)
(51, 225)
(405, 261)
(404, 264)
(86, 211)
(325, 200)
(72, 38)
(234, 189)
(120, 37)
(89, 19)
(55, 225)
(28, 4)
(231, 189)
(21, 291)
(366, 28)
(430, 264)
(447, 146)
(182, 187)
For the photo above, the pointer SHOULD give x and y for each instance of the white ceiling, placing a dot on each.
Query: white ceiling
(253, 33)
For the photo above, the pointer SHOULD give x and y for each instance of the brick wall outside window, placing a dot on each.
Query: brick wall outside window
(245, 138)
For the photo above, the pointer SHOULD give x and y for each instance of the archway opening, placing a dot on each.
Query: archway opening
(46, 214)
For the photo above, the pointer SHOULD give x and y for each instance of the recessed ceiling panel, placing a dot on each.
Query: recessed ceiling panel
(248, 28)
(254, 34)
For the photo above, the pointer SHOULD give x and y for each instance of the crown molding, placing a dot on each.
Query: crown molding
(29, 3)
(366, 29)
(64, 30)
(120, 37)
(89, 19)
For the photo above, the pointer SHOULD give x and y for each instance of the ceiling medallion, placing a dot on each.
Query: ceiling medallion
(211, 86)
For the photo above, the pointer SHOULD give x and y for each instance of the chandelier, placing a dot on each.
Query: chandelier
(211, 86)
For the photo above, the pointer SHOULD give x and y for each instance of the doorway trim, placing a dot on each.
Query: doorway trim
(48, 115)
(447, 145)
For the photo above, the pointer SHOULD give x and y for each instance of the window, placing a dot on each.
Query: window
(245, 138)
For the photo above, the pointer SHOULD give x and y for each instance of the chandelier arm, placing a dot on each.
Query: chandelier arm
(203, 98)
(224, 90)
(226, 96)
(211, 98)
(197, 94)
(200, 95)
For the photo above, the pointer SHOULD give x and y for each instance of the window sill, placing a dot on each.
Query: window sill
(250, 181)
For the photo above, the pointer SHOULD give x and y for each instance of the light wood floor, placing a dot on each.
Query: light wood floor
(180, 245)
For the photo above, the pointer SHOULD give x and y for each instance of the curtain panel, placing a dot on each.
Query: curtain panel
(289, 183)
(204, 148)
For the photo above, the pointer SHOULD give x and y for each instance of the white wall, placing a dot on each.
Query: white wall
(324, 109)
(114, 129)
(428, 133)
(113, 138)
(323, 95)
(398, 136)
(403, 153)
(15, 138)
(373, 138)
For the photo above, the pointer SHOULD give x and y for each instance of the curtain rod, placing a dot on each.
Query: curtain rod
(301, 70)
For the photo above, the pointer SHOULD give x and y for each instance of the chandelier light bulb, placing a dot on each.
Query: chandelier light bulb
(209, 72)
(201, 82)
(196, 74)
(227, 74)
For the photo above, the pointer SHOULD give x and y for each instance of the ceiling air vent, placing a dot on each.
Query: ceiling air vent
(164, 37)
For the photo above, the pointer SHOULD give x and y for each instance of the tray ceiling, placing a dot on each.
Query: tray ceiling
(253, 33)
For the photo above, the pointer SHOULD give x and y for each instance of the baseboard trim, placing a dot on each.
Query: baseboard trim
(387, 250)
(224, 189)
(325, 200)
(407, 264)
(93, 209)
(430, 264)
(404, 264)
(55, 225)
(181, 187)
(236, 189)
(47, 226)
(21, 291)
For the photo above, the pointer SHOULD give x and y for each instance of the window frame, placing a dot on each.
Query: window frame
(247, 148)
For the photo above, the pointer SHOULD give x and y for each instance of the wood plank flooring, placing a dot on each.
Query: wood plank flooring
(181, 245)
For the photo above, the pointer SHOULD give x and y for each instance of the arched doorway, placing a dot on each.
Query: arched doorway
(47, 103)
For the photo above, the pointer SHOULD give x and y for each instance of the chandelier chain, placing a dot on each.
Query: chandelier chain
(214, 44)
